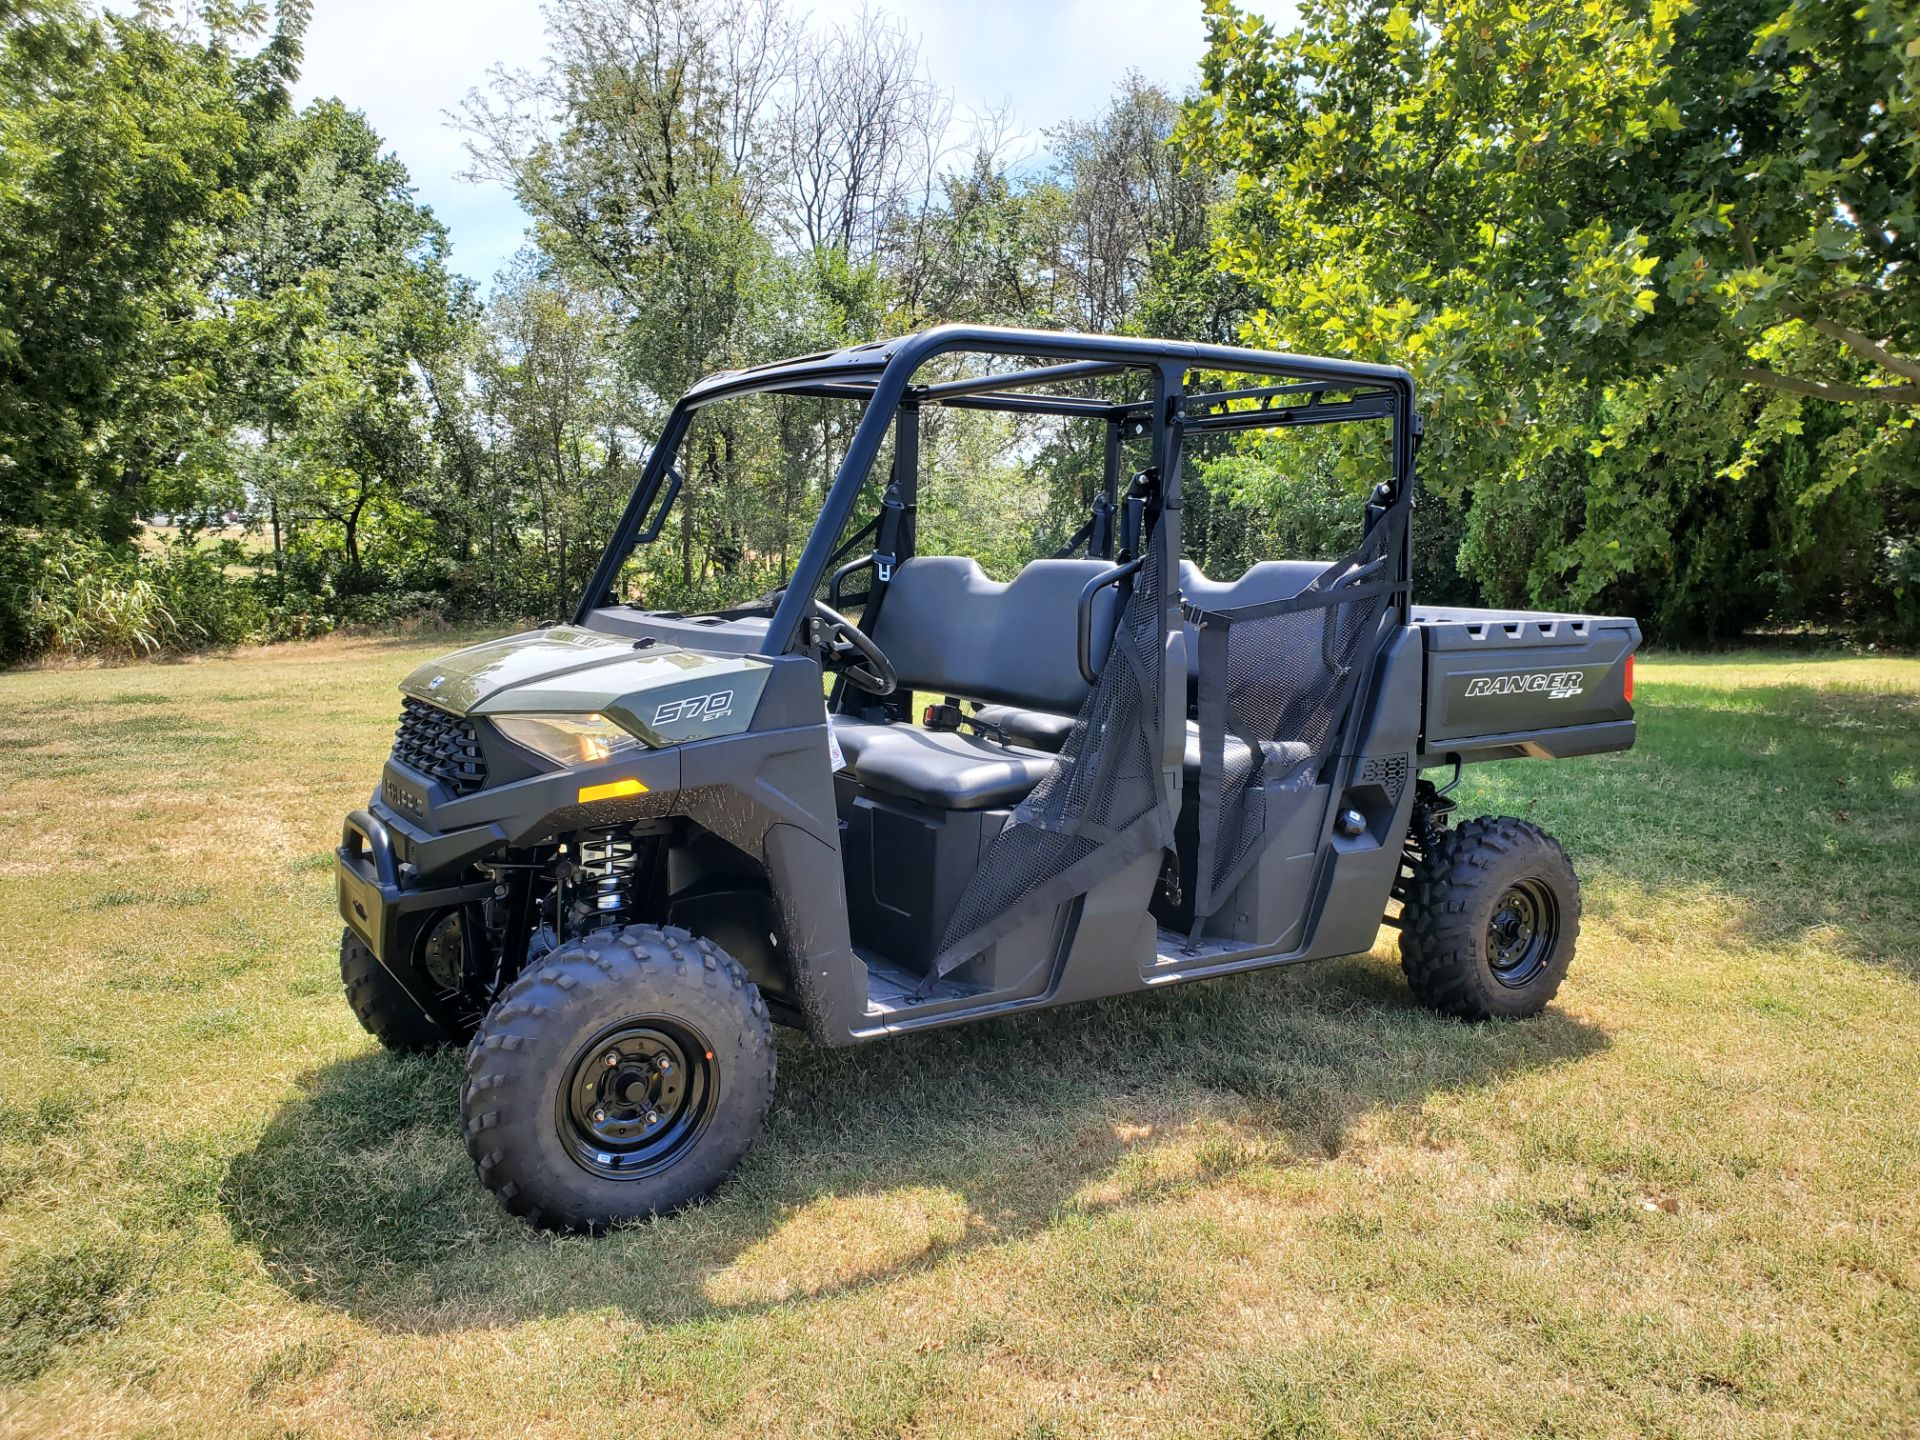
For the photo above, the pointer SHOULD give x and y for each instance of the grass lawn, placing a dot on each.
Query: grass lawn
(1682, 1203)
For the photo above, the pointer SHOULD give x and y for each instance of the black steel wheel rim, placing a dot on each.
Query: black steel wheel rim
(1522, 931)
(636, 1097)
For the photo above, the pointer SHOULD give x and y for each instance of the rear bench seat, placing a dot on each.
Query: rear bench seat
(1268, 580)
(949, 629)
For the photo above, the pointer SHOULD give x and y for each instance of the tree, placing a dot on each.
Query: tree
(636, 147)
(1623, 243)
(560, 437)
(1128, 200)
(337, 279)
(860, 132)
(127, 144)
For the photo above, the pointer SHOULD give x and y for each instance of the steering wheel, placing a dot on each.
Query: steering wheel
(842, 639)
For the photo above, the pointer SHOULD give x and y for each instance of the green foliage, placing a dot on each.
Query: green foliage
(95, 604)
(1637, 253)
(1259, 502)
(126, 602)
(1651, 260)
(126, 148)
(339, 279)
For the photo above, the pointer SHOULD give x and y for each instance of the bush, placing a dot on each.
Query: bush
(22, 558)
(83, 598)
(99, 604)
(384, 608)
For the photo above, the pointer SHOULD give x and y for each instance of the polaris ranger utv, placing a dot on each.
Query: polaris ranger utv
(607, 855)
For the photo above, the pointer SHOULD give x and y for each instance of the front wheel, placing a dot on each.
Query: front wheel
(1489, 925)
(621, 1077)
(384, 1010)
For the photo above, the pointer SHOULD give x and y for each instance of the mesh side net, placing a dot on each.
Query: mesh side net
(1275, 681)
(1097, 810)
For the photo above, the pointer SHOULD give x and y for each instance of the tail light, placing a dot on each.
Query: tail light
(1629, 679)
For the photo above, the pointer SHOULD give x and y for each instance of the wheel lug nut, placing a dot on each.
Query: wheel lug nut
(663, 1062)
(653, 1117)
(599, 1117)
(610, 1059)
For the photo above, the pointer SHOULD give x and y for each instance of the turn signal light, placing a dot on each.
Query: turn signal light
(612, 790)
(1629, 679)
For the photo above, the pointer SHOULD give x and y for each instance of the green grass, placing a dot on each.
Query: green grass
(1291, 1204)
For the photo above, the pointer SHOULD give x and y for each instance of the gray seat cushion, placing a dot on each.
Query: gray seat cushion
(938, 768)
(1268, 580)
(1036, 729)
(949, 629)
(1042, 730)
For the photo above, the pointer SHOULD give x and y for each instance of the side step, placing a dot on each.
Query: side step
(891, 988)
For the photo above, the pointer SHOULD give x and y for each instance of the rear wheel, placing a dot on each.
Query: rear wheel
(621, 1077)
(383, 1009)
(1490, 922)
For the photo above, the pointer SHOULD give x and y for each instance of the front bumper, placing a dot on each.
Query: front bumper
(408, 858)
(392, 919)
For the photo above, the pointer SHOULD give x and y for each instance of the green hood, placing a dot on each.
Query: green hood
(571, 671)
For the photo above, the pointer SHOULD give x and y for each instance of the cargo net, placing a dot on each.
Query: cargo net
(1275, 681)
(1097, 810)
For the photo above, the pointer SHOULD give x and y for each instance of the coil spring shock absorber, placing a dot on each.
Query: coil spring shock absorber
(607, 865)
(1431, 807)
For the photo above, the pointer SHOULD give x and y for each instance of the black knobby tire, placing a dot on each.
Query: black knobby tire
(383, 1009)
(1489, 927)
(556, 1108)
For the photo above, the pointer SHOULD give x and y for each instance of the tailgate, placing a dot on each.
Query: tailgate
(1507, 683)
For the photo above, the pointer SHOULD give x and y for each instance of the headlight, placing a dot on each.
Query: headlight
(567, 739)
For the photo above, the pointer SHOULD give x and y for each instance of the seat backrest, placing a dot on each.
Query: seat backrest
(948, 628)
(1264, 581)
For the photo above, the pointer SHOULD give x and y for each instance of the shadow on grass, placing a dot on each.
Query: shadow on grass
(877, 1160)
(1794, 804)
(1790, 803)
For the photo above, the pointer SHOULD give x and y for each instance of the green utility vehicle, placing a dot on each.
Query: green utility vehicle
(608, 855)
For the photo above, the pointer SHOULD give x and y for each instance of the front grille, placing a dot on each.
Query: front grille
(441, 745)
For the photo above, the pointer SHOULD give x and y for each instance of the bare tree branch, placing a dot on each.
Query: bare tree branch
(1868, 349)
(1833, 389)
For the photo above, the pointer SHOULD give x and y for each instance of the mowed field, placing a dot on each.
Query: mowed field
(1682, 1203)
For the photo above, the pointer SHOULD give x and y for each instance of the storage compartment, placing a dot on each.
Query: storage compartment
(1507, 683)
(906, 866)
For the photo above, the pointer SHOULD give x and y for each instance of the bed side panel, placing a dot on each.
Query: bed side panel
(1507, 683)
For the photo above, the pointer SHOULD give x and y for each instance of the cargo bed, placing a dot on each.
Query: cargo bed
(1505, 684)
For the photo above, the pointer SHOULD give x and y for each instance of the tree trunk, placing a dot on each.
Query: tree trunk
(350, 528)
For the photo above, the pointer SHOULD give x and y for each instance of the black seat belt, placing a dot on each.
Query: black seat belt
(886, 551)
(1096, 534)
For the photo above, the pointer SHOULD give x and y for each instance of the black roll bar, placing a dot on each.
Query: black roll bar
(881, 372)
(1083, 620)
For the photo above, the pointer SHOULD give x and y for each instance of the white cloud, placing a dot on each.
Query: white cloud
(406, 63)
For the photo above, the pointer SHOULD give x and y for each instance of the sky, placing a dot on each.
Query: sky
(406, 63)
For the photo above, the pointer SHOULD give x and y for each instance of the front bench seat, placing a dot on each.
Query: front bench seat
(950, 629)
(939, 768)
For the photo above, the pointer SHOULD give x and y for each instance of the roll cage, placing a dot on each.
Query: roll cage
(882, 374)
